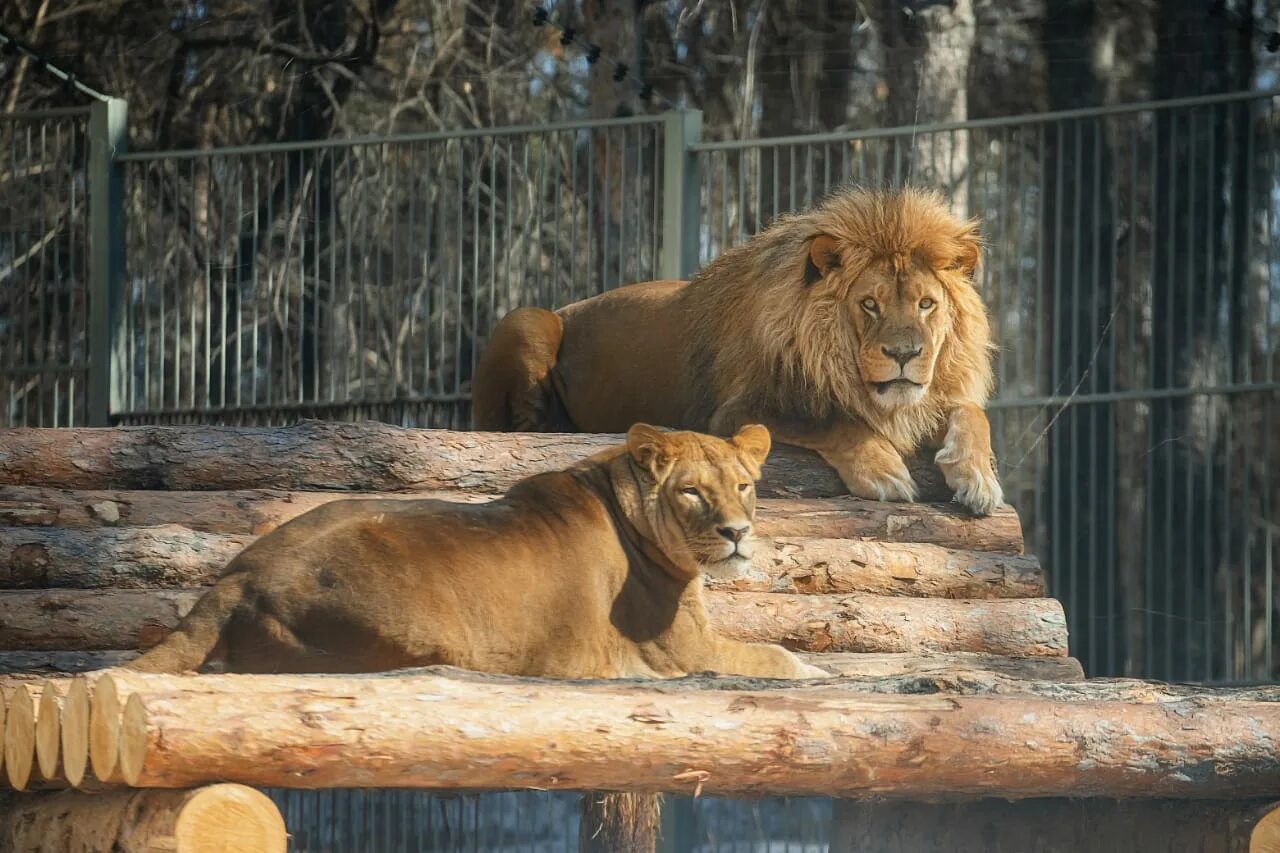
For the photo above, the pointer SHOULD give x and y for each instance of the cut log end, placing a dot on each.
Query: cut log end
(49, 729)
(19, 738)
(216, 817)
(133, 739)
(75, 731)
(104, 728)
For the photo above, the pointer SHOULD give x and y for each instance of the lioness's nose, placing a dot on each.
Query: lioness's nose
(734, 533)
(902, 353)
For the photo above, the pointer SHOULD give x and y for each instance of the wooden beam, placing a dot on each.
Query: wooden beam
(720, 736)
(174, 556)
(213, 818)
(91, 620)
(364, 456)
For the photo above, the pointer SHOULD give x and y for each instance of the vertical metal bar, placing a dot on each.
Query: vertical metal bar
(335, 346)
(552, 144)
(317, 340)
(1212, 196)
(680, 192)
(107, 138)
(462, 217)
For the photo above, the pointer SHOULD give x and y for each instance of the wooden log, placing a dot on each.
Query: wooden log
(43, 664)
(173, 556)
(259, 511)
(618, 823)
(213, 818)
(1044, 825)
(364, 456)
(20, 732)
(48, 733)
(83, 620)
(846, 664)
(435, 731)
(169, 556)
(872, 623)
(1265, 837)
(869, 665)
(89, 620)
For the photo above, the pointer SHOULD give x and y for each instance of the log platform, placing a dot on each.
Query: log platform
(954, 703)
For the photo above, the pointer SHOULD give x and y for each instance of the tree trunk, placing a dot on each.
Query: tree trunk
(734, 736)
(173, 556)
(1045, 826)
(93, 620)
(927, 45)
(365, 456)
(618, 823)
(259, 511)
(212, 818)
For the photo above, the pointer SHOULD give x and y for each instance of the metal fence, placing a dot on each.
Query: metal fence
(44, 263)
(1130, 272)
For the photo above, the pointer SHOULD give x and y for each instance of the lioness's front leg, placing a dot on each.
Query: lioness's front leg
(868, 463)
(967, 462)
(761, 660)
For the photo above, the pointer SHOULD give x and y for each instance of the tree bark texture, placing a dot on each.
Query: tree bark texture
(212, 818)
(738, 737)
(1044, 825)
(174, 556)
(259, 511)
(364, 456)
(94, 620)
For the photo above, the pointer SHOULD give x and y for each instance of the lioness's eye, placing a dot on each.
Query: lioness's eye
(926, 304)
(869, 305)
(742, 487)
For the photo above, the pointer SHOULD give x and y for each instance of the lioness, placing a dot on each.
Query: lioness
(853, 329)
(589, 572)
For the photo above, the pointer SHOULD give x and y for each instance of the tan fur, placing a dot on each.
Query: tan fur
(780, 330)
(589, 572)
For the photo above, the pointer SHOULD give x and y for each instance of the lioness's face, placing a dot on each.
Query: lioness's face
(702, 504)
(900, 318)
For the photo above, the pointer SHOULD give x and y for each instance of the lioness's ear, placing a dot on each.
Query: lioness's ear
(969, 249)
(823, 258)
(648, 448)
(753, 443)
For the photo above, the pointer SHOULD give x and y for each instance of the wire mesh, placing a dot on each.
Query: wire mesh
(44, 299)
(1131, 278)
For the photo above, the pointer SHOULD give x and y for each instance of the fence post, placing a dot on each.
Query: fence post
(681, 195)
(107, 138)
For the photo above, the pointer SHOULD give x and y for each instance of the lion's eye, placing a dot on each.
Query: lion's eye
(926, 304)
(869, 305)
(742, 487)
(690, 492)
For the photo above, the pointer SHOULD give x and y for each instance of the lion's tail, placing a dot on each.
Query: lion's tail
(513, 389)
(199, 635)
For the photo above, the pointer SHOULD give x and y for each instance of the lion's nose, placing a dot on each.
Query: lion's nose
(902, 353)
(734, 533)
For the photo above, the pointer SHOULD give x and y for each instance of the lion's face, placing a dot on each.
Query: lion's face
(699, 498)
(899, 317)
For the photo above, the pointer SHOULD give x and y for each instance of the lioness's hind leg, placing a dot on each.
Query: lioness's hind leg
(512, 389)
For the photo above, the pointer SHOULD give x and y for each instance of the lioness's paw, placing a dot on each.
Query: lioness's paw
(971, 476)
(880, 475)
(807, 671)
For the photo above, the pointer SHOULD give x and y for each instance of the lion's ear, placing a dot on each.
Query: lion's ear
(648, 447)
(753, 442)
(969, 251)
(823, 258)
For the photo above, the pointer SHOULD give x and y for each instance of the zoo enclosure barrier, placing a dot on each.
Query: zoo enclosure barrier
(1129, 270)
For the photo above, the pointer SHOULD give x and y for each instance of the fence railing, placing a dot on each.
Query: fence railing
(1130, 271)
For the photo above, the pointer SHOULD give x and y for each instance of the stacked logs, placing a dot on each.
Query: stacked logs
(954, 673)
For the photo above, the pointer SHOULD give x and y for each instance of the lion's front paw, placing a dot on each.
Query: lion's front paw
(877, 472)
(971, 475)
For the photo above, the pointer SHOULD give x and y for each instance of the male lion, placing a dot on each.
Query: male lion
(591, 572)
(852, 329)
